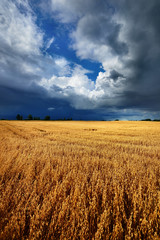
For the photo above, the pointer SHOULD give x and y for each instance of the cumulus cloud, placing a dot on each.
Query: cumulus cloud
(72, 87)
(82, 92)
(18, 30)
(20, 43)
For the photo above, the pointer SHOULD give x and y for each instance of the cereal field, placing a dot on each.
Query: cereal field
(79, 180)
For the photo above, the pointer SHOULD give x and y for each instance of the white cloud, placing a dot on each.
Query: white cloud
(62, 66)
(20, 44)
(78, 81)
(51, 108)
(19, 30)
(49, 43)
(82, 92)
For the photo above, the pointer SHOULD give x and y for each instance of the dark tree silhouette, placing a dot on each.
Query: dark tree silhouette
(19, 117)
(147, 119)
(30, 117)
(36, 118)
(47, 118)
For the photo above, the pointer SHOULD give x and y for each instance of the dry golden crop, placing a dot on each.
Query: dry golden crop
(79, 180)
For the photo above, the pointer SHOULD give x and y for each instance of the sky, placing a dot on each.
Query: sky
(80, 59)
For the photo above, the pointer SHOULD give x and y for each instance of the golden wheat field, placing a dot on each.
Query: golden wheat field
(79, 180)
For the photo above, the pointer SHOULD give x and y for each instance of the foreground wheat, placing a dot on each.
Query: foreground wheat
(79, 180)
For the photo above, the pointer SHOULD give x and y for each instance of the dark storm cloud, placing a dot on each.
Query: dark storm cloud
(13, 101)
(115, 75)
(33, 101)
(143, 35)
(100, 29)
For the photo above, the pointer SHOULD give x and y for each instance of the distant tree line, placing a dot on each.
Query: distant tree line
(30, 117)
(148, 119)
(46, 118)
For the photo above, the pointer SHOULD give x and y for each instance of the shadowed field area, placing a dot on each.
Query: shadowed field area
(79, 180)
